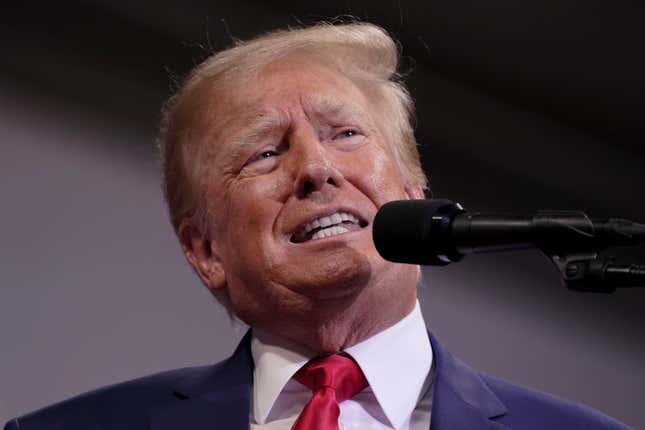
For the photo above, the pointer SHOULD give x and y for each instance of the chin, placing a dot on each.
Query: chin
(338, 274)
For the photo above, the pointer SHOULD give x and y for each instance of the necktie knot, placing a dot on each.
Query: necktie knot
(337, 372)
(331, 379)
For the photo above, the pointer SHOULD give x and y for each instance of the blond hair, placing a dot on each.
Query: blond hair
(363, 52)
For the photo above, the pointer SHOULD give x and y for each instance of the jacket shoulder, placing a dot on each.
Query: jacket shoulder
(113, 405)
(530, 409)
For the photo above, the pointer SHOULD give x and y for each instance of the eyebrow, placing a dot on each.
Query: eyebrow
(266, 121)
(329, 107)
(262, 123)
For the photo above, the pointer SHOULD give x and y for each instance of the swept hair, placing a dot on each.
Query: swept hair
(363, 52)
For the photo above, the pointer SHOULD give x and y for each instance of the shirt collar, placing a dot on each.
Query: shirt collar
(276, 361)
(396, 362)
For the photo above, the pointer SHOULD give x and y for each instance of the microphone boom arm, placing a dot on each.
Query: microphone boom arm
(439, 232)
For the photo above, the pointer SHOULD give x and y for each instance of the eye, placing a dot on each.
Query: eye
(262, 161)
(348, 139)
(347, 133)
(266, 154)
(262, 156)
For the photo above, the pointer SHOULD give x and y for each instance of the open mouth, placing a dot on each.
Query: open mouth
(326, 226)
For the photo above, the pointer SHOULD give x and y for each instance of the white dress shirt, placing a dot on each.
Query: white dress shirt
(396, 362)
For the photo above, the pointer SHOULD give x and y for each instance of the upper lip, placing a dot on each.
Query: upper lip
(327, 212)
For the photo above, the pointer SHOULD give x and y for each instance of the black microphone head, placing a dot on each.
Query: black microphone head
(402, 230)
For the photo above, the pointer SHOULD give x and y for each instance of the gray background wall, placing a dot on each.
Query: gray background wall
(519, 108)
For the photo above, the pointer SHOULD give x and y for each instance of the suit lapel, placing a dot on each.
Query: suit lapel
(214, 397)
(461, 399)
(218, 397)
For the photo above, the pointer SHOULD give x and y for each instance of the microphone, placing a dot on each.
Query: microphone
(438, 232)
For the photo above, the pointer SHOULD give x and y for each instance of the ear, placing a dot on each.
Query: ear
(201, 256)
(414, 192)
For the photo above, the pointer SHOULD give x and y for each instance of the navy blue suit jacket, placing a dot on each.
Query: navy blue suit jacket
(218, 397)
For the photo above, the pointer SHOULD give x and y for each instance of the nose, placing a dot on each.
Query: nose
(315, 177)
(313, 165)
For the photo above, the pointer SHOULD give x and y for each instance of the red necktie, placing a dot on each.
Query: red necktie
(332, 379)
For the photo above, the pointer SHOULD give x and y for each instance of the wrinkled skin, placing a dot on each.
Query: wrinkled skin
(301, 142)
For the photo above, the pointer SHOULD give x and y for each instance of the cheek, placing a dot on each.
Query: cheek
(251, 211)
(379, 177)
(274, 186)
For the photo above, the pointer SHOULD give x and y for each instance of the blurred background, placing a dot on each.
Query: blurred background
(520, 106)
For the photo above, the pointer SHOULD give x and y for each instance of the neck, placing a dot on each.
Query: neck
(334, 325)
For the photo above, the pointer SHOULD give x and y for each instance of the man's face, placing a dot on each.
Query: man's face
(297, 167)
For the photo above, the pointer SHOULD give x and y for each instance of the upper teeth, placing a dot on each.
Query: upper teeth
(332, 219)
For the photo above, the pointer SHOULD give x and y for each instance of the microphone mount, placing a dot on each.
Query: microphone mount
(577, 257)
(591, 273)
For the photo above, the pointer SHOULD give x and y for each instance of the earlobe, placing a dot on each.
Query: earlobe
(199, 252)
(414, 192)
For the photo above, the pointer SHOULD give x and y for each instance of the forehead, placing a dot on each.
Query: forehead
(317, 88)
(268, 100)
